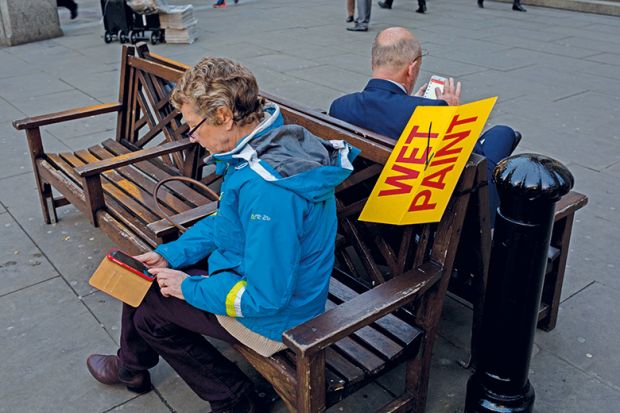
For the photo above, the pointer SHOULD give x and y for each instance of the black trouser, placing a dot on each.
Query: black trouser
(70, 4)
(173, 329)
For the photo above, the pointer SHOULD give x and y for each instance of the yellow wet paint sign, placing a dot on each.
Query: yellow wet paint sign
(426, 163)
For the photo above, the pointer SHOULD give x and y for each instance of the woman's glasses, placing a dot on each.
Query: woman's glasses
(193, 130)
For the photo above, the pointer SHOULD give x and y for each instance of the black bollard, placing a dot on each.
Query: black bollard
(528, 185)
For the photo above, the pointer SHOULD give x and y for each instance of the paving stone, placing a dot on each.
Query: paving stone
(95, 83)
(53, 102)
(47, 335)
(149, 402)
(90, 139)
(560, 387)
(369, 398)
(22, 264)
(448, 379)
(350, 61)
(450, 67)
(15, 156)
(72, 131)
(602, 189)
(280, 62)
(11, 66)
(585, 344)
(31, 86)
(456, 322)
(72, 236)
(609, 58)
(578, 41)
(8, 112)
(589, 259)
(335, 78)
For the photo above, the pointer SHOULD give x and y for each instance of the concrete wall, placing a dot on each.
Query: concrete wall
(24, 21)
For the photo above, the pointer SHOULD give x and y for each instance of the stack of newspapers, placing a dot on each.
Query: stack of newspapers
(179, 23)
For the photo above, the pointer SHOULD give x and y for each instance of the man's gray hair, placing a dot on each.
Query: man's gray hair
(394, 48)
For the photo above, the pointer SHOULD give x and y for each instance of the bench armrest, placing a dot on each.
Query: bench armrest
(569, 203)
(71, 114)
(163, 228)
(132, 157)
(337, 323)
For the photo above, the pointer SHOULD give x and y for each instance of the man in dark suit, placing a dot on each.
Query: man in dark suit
(385, 105)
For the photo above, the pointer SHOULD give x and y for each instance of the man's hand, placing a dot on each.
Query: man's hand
(451, 92)
(421, 90)
(169, 281)
(152, 260)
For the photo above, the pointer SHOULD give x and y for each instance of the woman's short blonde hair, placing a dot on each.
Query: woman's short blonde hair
(218, 82)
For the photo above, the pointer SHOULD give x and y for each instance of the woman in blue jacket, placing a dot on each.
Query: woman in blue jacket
(270, 245)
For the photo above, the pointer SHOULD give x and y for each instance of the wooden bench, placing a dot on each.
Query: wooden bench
(111, 183)
(389, 282)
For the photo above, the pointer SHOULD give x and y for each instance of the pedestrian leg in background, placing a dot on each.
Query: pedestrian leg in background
(350, 11)
(516, 6)
(363, 16)
(421, 7)
(69, 4)
(387, 4)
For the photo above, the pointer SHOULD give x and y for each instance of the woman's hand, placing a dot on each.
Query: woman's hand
(169, 281)
(152, 260)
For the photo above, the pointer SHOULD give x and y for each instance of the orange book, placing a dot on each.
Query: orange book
(122, 277)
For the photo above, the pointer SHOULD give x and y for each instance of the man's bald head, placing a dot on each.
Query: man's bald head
(394, 48)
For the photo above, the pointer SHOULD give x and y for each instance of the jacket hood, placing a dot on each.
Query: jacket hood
(291, 157)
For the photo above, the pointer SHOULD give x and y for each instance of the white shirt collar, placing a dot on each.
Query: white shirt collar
(399, 85)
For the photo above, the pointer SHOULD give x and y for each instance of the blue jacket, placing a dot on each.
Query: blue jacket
(382, 107)
(271, 242)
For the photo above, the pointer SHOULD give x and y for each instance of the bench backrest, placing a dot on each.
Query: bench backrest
(375, 252)
(148, 119)
(371, 252)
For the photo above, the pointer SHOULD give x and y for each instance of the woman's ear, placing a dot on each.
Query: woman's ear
(225, 117)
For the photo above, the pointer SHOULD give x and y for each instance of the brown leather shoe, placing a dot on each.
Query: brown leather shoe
(107, 370)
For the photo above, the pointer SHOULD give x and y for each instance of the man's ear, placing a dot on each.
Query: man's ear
(413, 68)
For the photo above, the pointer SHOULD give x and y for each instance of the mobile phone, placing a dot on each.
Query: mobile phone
(434, 83)
(130, 263)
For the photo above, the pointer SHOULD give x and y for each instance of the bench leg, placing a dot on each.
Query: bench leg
(311, 383)
(44, 189)
(552, 292)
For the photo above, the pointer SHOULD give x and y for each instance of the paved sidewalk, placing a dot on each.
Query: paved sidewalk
(557, 75)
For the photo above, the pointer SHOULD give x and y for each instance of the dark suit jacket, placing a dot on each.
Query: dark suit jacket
(382, 107)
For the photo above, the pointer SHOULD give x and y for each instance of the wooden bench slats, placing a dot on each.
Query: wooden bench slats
(167, 198)
(360, 355)
(342, 367)
(115, 208)
(374, 340)
(149, 168)
(130, 188)
(115, 192)
(399, 330)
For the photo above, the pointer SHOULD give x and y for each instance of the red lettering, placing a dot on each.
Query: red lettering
(401, 187)
(439, 182)
(456, 122)
(412, 157)
(456, 138)
(425, 197)
(415, 134)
